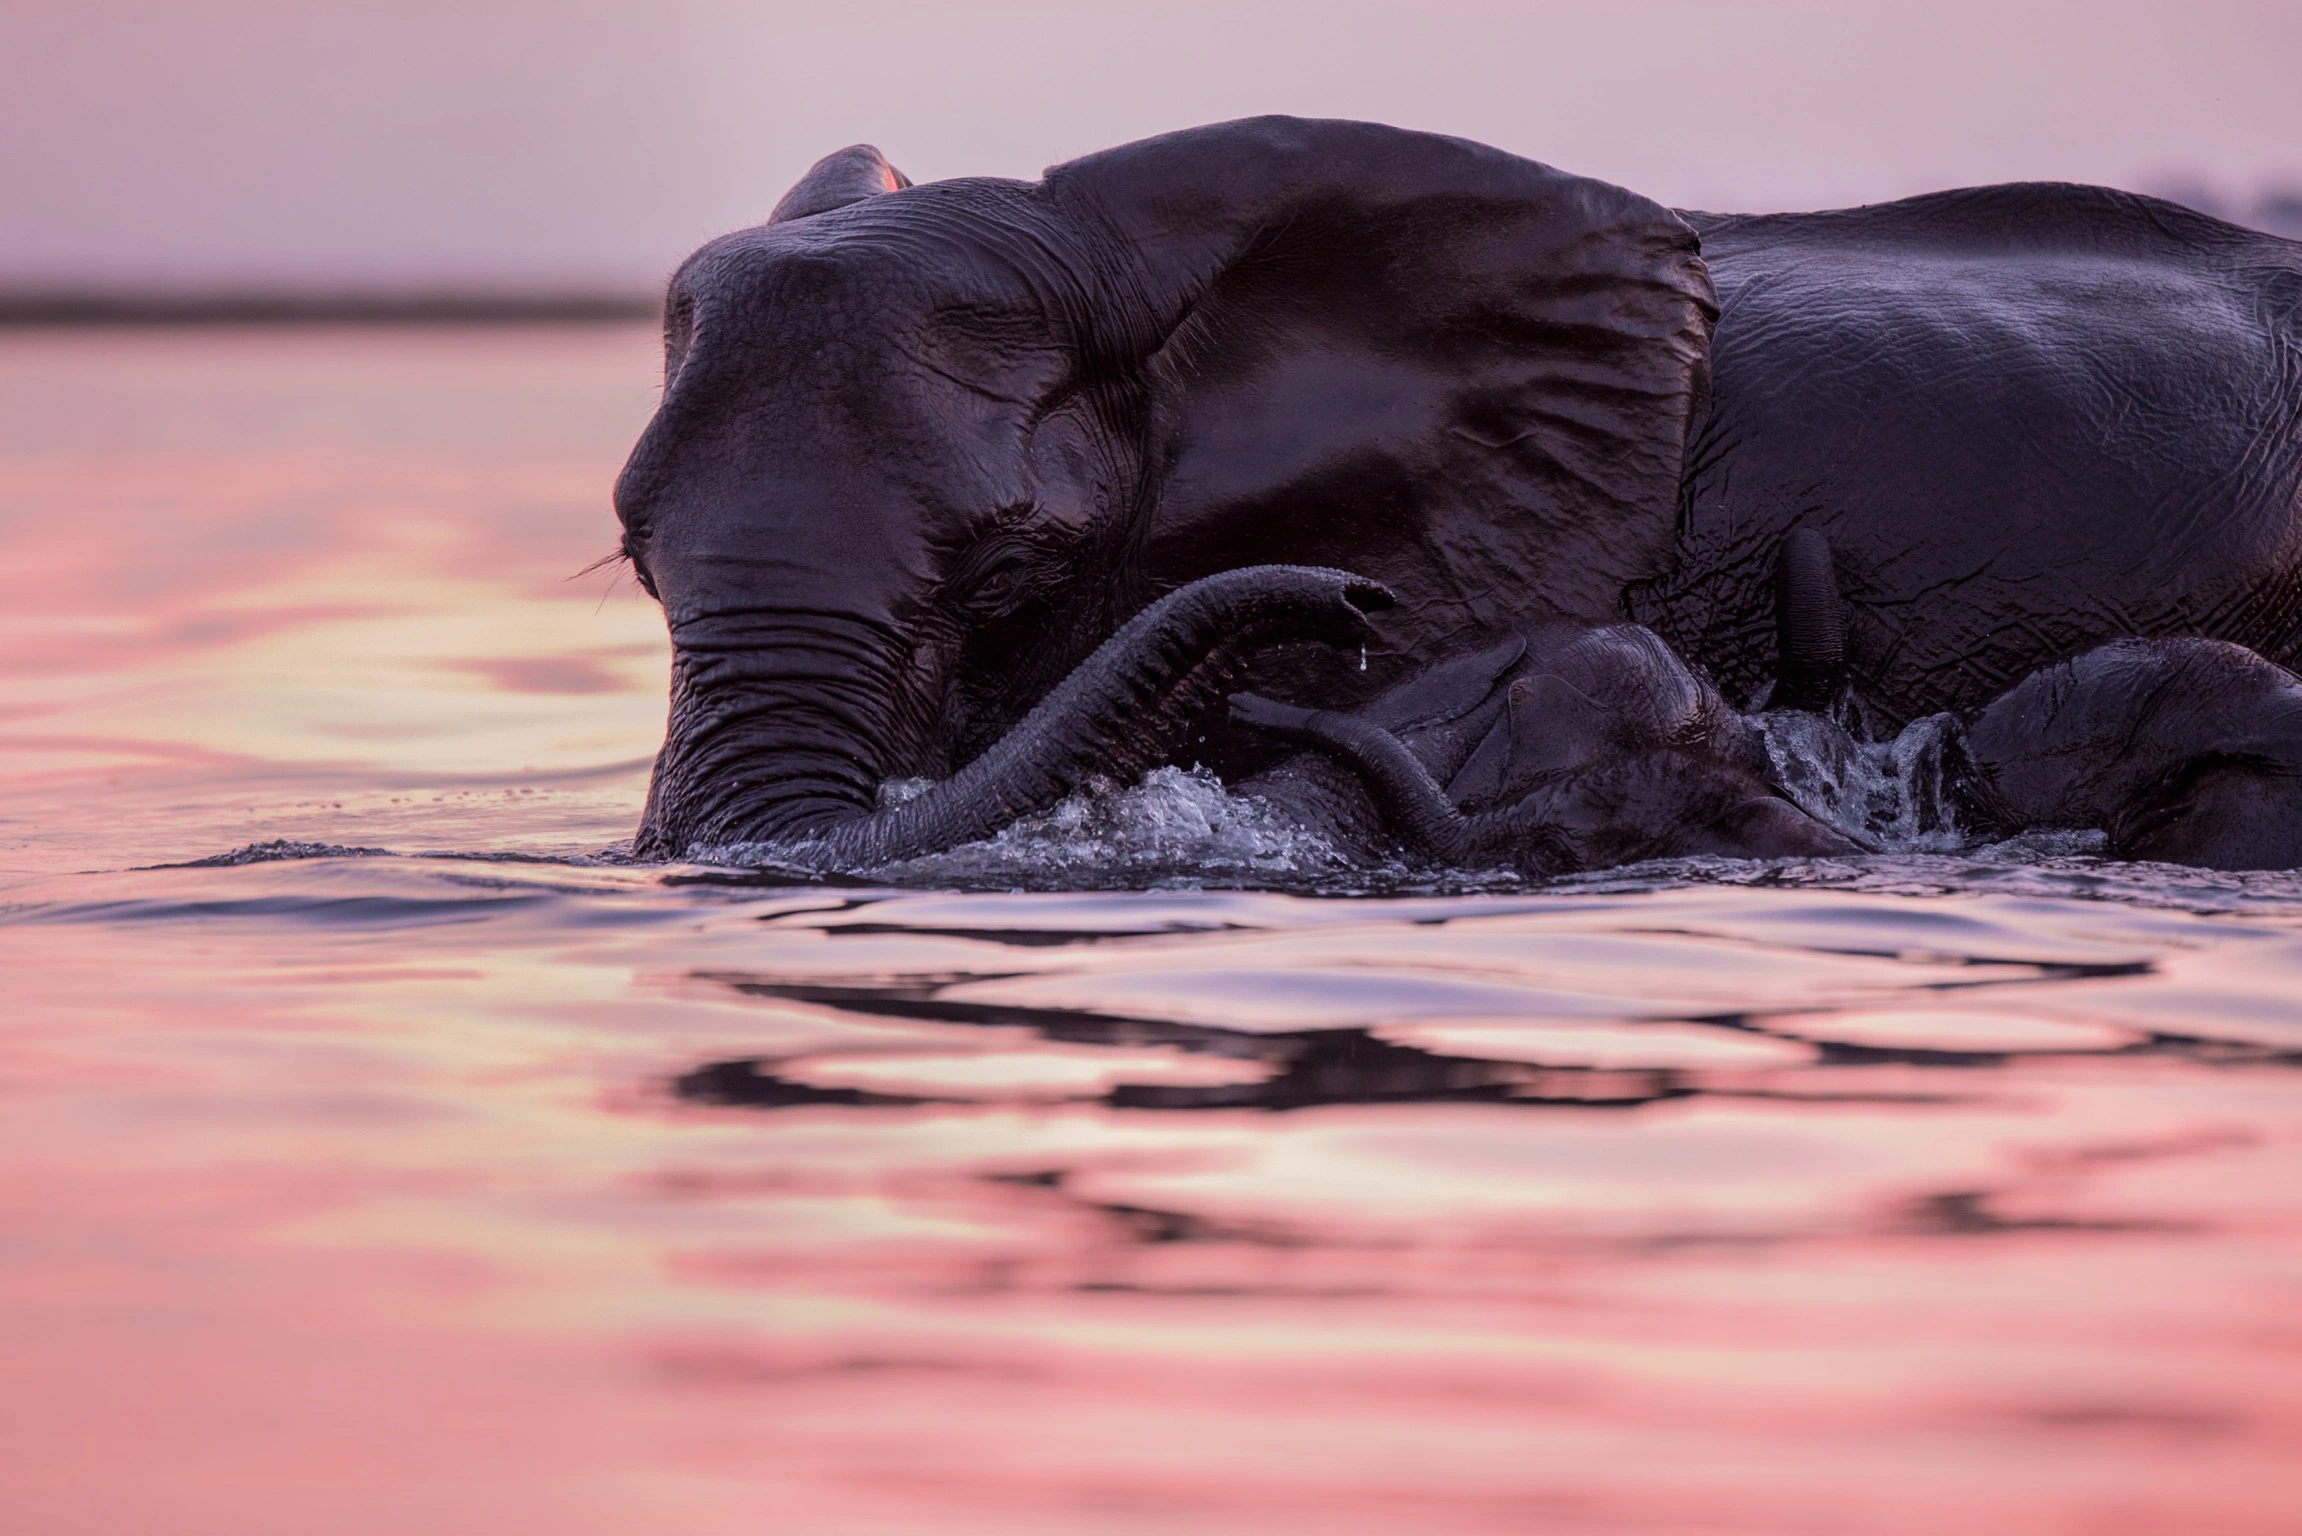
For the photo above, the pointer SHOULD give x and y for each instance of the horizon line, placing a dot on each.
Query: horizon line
(38, 308)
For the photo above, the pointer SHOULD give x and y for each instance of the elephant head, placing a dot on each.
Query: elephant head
(2183, 750)
(1016, 478)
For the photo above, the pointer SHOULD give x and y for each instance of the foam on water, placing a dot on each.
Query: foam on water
(1182, 827)
(1176, 826)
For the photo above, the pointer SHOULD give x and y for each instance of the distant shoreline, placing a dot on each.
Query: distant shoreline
(29, 311)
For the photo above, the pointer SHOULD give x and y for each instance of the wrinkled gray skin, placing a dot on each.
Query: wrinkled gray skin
(1006, 484)
(1114, 715)
(2029, 419)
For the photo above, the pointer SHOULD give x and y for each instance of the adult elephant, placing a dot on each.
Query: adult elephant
(999, 484)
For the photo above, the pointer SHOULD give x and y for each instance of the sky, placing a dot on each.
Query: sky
(238, 145)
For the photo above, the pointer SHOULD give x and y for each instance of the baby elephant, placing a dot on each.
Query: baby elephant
(1570, 749)
(2183, 750)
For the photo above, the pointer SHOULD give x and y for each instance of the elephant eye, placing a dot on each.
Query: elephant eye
(999, 578)
(1002, 584)
(639, 568)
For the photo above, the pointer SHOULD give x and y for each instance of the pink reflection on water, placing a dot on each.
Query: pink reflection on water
(268, 584)
(405, 1195)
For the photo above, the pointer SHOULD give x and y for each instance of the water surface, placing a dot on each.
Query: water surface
(383, 1154)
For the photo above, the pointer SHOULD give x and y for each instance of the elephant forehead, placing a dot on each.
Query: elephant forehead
(811, 398)
(1628, 668)
(847, 288)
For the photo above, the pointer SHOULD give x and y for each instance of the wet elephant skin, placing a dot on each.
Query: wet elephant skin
(2029, 419)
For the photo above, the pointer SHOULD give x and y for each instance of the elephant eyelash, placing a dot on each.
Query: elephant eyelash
(621, 555)
(678, 334)
(1002, 578)
(1000, 570)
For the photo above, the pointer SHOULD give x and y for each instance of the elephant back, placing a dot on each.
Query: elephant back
(2028, 419)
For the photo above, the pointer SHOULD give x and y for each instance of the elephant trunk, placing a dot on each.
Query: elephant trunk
(1810, 624)
(1412, 804)
(1116, 715)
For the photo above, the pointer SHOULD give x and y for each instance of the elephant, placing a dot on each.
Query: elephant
(1004, 484)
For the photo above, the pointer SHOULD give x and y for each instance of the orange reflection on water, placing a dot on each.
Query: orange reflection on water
(441, 1195)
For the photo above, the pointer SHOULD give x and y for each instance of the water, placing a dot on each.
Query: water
(384, 1154)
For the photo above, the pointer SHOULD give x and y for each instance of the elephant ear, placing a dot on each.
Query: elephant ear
(844, 176)
(1547, 727)
(1467, 374)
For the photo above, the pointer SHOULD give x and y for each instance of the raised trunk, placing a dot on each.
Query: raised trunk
(1115, 715)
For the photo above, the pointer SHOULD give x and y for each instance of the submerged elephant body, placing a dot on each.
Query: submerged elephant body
(1350, 409)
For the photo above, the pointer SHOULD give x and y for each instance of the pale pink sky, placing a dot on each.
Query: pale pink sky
(207, 143)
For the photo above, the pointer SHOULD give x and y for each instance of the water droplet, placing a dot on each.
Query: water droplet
(1362, 658)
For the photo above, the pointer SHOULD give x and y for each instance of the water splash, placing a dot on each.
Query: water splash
(1177, 827)
(1898, 794)
(1181, 829)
